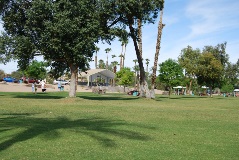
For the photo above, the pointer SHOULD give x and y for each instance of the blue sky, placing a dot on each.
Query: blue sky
(188, 22)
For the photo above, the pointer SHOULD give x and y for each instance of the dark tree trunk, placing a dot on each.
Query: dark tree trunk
(144, 91)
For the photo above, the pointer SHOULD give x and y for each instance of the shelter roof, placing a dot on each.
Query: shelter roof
(178, 87)
(104, 72)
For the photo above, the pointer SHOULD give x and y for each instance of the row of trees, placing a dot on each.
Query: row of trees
(65, 33)
(194, 68)
(36, 70)
(209, 67)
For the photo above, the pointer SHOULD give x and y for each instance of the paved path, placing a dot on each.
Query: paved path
(15, 87)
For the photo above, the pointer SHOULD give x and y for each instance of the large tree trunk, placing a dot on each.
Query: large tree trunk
(144, 90)
(140, 37)
(73, 86)
(210, 88)
(190, 86)
(160, 28)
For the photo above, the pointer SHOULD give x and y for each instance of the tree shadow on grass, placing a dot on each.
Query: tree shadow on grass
(61, 95)
(108, 97)
(39, 96)
(159, 98)
(96, 128)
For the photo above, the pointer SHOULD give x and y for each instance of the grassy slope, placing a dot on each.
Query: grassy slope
(116, 126)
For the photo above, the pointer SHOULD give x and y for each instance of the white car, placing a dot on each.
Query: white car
(63, 82)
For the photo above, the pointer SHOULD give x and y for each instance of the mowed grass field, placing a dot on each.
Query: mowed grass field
(117, 126)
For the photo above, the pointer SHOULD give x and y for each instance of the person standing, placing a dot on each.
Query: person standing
(33, 87)
(59, 85)
(43, 86)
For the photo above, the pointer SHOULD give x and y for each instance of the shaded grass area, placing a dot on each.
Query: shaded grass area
(117, 126)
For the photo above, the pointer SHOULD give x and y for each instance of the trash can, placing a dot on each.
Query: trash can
(135, 93)
(62, 88)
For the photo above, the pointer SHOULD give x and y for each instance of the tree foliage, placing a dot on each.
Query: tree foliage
(231, 74)
(36, 70)
(188, 59)
(6, 46)
(124, 76)
(127, 13)
(211, 66)
(64, 32)
(17, 74)
(170, 73)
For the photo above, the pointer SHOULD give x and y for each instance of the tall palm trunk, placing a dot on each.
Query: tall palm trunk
(160, 28)
(124, 54)
(121, 57)
(107, 62)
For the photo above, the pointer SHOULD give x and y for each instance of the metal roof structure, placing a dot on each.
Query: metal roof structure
(95, 73)
(103, 72)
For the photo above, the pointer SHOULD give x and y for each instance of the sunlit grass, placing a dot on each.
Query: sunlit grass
(117, 126)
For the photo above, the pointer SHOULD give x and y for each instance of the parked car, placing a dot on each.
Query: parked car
(63, 82)
(32, 80)
(9, 79)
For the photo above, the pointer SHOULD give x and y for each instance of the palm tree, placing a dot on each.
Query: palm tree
(107, 50)
(114, 63)
(160, 28)
(113, 56)
(121, 60)
(101, 64)
(125, 44)
(121, 54)
(124, 41)
(147, 63)
(96, 51)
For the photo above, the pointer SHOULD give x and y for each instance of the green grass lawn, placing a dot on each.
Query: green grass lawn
(117, 126)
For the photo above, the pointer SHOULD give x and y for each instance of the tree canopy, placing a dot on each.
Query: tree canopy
(36, 70)
(65, 32)
(124, 76)
(209, 67)
(170, 73)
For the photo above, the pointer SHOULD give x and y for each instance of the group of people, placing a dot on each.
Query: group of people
(43, 86)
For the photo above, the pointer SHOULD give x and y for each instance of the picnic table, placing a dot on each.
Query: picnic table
(99, 90)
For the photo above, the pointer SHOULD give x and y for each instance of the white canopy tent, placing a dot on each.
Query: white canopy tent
(93, 74)
(236, 92)
(178, 89)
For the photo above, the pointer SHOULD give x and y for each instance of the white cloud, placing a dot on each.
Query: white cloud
(210, 16)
